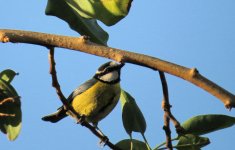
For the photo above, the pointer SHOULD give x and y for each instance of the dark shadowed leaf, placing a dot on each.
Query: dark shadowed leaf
(7, 75)
(203, 124)
(107, 11)
(126, 145)
(191, 142)
(132, 117)
(67, 12)
(10, 107)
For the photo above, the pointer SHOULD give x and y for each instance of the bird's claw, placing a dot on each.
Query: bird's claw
(81, 120)
(103, 141)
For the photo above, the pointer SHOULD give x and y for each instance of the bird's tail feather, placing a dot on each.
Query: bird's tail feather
(55, 117)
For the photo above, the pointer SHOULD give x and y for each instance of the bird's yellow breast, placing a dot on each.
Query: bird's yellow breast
(98, 101)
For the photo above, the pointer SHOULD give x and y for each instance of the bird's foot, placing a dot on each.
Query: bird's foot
(81, 120)
(103, 141)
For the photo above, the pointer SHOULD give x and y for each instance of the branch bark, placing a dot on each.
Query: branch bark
(83, 44)
(167, 110)
(166, 106)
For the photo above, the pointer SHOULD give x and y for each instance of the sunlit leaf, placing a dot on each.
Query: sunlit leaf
(69, 13)
(10, 107)
(191, 142)
(107, 11)
(127, 143)
(132, 117)
(203, 124)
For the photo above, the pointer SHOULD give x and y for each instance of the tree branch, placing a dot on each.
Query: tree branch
(67, 106)
(82, 44)
(166, 107)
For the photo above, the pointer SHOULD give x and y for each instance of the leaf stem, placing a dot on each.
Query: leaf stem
(146, 142)
(164, 143)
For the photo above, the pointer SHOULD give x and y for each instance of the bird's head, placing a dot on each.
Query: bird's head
(109, 72)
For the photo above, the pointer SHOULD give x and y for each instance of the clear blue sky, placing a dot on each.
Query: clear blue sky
(192, 33)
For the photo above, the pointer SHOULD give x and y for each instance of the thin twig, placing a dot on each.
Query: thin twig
(166, 107)
(166, 104)
(83, 45)
(167, 113)
(56, 84)
(167, 130)
(9, 99)
(6, 115)
(69, 109)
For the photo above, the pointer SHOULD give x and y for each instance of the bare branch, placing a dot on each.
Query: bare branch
(167, 130)
(167, 110)
(166, 106)
(67, 106)
(84, 45)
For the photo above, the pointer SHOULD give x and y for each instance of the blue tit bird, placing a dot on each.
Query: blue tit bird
(95, 98)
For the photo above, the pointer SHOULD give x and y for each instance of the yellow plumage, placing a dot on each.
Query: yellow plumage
(97, 102)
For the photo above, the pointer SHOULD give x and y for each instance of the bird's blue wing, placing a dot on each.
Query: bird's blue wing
(82, 88)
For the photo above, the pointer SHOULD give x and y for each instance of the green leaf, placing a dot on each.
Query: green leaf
(203, 124)
(191, 142)
(127, 144)
(10, 108)
(107, 11)
(132, 117)
(11, 125)
(13, 130)
(7, 75)
(7, 89)
(69, 13)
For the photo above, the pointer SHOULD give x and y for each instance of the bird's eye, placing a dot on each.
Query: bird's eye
(104, 71)
(108, 69)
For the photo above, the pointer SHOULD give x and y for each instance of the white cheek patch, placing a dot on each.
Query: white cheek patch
(110, 76)
(97, 72)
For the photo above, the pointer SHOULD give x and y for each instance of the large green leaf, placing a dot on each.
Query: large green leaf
(132, 117)
(107, 11)
(203, 124)
(11, 116)
(127, 144)
(191, 142)
(64, 10)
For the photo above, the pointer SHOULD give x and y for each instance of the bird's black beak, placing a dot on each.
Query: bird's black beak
(119, 66)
